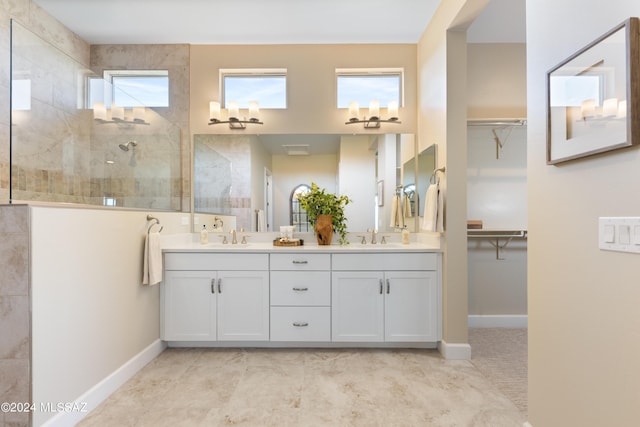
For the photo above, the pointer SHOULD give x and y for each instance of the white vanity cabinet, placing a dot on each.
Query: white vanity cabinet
(385, 297)
(300, 297)
(213, 296)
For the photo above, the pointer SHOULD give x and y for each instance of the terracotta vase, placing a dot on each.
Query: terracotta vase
(324, 229)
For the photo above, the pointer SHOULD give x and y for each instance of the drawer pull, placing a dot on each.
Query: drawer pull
(213, 286)
(300, 324)
(219, 286)
(381, 287)
(300, 289)
(302, 261)
(388, 286)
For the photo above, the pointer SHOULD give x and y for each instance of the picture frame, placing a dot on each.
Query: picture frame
(380, 192)
(593, 96)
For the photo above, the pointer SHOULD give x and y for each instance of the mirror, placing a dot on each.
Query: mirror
(240, 175)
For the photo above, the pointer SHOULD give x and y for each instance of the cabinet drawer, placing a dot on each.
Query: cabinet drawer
(385, 261)
(215, 261)
(300, 288)
(301, 261)
(300, 324)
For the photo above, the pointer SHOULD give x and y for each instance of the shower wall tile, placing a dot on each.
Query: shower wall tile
(15, 313)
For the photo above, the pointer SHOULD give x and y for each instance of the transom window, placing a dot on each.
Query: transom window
(364, 85)
(266, 86)
(131, 88)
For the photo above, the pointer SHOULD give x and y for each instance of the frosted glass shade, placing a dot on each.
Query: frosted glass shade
(99, 111)
(392, 110)
(354, 110)
(214, 110)
(254, 110)
(117, 113)
(234, 111)
(374, 109)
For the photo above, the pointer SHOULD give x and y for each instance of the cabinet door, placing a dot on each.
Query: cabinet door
(243, 306)
(411, 306)
(189, 306)
(357, 302)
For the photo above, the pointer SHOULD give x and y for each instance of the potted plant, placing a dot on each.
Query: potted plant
(325, 212)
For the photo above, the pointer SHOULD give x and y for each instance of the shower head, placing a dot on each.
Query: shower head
(125, 147)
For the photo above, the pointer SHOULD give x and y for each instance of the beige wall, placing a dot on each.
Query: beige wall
(310, 79)
(583, 302)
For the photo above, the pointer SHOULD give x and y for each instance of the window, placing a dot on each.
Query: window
(268, 87)
(131, 88)
(299, 217)
(364, 85)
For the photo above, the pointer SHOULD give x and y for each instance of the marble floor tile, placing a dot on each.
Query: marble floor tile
(306, 387)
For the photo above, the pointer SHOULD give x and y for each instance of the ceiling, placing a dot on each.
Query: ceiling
(271, 21)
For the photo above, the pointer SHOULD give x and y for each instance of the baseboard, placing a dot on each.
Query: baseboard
(98, 393)
(498, 321)
(454, 351)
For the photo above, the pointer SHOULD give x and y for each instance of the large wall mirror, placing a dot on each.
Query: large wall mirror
(253, 176)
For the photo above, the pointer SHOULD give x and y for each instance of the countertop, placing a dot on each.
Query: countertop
(263, 243)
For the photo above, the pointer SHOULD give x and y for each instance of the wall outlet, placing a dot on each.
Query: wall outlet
(620, 234)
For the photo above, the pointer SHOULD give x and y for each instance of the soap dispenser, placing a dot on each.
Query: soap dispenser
(405, 236)
(204, 235)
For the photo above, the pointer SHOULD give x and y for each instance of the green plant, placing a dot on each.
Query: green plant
(319, 202)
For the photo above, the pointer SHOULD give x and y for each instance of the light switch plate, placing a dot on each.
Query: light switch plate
(620, 234)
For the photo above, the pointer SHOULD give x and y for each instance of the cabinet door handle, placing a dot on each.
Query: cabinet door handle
(300, 324)
(219, 286)
(388, 286)
(381, 287)
(295, 288)
(213, 286)
(302, 261)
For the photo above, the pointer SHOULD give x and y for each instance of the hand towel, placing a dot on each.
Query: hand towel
(262, 221)
(431, 208)
(397, 220)
(152, 262)
(406, 207)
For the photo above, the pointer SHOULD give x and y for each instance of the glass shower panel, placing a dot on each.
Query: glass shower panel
(61, 153)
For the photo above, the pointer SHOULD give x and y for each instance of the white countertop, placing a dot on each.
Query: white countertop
(263, 242)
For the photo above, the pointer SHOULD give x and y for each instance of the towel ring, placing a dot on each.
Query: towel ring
(156, 222)
(432, 179)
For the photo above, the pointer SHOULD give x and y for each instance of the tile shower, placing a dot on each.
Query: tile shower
(61, 154)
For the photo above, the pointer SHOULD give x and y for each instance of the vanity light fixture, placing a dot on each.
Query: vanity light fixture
(234, 121)
(374, 120)
(118, 114)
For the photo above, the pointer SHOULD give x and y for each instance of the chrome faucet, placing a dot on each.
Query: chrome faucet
(374, 233)
(234, 240)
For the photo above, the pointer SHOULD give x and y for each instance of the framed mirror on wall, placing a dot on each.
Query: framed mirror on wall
(593, 96)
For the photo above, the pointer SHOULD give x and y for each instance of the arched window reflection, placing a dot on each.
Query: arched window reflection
(298, 216)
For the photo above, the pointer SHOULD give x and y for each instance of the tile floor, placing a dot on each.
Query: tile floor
(309, 387)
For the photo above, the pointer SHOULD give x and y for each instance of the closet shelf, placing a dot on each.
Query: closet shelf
(501, 129)
(495, 236)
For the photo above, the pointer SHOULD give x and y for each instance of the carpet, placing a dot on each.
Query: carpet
(500, 354)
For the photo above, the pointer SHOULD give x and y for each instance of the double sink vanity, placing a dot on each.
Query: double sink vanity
(261, 295)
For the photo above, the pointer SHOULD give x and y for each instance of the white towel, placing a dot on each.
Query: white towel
(397, 220)
(432, 220)
(262, 221)
(406, 207)
(152, 263)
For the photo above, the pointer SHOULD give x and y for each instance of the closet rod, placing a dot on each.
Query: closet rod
(496, 122)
